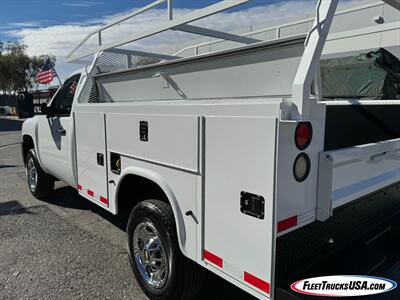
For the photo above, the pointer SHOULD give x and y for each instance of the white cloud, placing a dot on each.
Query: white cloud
(81, 3)
(25, 24)
(60, 39)
(16, 25)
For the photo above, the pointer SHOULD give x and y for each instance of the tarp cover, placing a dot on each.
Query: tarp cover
(373, 75)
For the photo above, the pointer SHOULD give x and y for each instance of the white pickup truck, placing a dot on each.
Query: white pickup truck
(229, 160)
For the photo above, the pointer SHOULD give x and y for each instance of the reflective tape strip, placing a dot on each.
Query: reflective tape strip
(257, 282)
(249, 278)
(91, 194)
(104, 200)
(213, 258)
(287, 223)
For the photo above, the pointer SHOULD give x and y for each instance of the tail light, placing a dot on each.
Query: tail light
(301, 167)
(303, 135)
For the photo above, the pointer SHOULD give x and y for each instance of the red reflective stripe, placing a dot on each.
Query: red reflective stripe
(213, 258)
(257, 282)
(104, 200)
(90, 193)
(79, 187)
(287, 223)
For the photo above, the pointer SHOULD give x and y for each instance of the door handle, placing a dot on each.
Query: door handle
(61, 131)
(379, 156)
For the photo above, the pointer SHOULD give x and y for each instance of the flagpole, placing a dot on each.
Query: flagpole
(54, 68)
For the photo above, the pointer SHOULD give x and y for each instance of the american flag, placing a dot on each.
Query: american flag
(47, 74)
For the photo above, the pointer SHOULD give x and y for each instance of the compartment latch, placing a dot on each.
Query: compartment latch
(252, 205)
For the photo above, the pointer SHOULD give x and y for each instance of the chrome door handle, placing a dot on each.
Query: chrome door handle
(61, 131)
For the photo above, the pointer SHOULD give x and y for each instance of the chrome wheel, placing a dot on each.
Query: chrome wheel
(150, 256)
(31, 172)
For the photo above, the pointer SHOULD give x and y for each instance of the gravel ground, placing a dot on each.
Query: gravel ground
(65, 247)
(47, 258)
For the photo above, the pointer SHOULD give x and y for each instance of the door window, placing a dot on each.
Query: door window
(62, 102)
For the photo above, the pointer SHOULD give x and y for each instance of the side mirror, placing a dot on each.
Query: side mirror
(43, 108)
(46, 110)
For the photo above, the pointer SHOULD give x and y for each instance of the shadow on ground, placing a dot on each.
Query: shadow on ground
(10, 125)
(7, 166)
(214, 287)
(68, 197)
(12, 208)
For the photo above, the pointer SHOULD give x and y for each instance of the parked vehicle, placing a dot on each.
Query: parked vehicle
(5, 111)
(230, 161)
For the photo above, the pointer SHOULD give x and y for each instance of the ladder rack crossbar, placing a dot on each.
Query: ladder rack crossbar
(99, 31)
(277, 29)
(172, 24)
(142, 53)
(217, 34)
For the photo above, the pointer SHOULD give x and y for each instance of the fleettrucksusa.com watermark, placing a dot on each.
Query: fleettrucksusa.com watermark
(352, 285)
(345, 285)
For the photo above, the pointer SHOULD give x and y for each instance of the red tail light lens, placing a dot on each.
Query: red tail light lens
(303, 135)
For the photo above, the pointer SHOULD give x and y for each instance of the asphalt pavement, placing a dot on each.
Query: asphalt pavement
(65, 247)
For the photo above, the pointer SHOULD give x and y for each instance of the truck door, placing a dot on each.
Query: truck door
(239, 199)
(56, 133)
(91, 156)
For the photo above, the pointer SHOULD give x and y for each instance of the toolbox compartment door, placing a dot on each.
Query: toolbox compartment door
(351, 173)
(91, 157)
(240, 199)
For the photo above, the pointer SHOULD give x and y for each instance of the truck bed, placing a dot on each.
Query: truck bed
(352, 125)
(359, 239)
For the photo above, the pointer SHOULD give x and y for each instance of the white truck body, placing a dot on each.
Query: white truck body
(210, 130)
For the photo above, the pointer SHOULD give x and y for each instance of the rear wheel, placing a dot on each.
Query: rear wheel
(157, 262)
(40, 184)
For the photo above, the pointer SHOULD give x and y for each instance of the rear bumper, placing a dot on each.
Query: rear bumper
(347, 174)
(347, 232)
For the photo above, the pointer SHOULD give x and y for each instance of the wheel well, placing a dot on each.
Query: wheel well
(134, 189)
(27, 144)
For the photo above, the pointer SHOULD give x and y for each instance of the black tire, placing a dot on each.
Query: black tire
(44, 182)
(184, 277)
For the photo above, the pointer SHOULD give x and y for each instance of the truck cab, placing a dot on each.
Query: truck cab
(230, 159)
(52, 133)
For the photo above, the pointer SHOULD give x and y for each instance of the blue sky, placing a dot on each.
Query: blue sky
(57, 26)
(17, 14)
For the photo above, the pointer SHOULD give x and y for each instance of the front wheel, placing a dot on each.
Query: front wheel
(157, 262)
(40, 184)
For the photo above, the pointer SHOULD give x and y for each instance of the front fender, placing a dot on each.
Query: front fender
(30, 128)
(157, 179)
